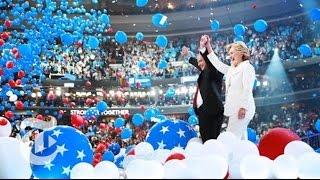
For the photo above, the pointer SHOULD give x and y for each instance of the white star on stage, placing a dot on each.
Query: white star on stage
(81, 155)
(66, 170)
(164, 129)
(175, 121)
(161, 145)
(181, 133)
(57, 133)
(61, 149)
(48, 165)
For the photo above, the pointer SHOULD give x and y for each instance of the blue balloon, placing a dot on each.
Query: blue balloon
(92, 42)
(191, 111)
(108, 156)
(137, 119)
(252, 135)
(162, 41)
(142, 64)
(91, 113)
(102, 106)
(171, 92)
(60, 152)
(126, 133)
(163, 64)
(215, 25)
(169, 134)
(159, 20)
(119, 122)
(239, 30)
(305, 50)
(317, 125)
(67, 39)
(318, 150)
(119, 161)
(193, 120)
(105, 19)
(149, 113)
(315, 14)
(139, 36)
(260, 25)
(141, 3)
(115, 148)
(121, 37)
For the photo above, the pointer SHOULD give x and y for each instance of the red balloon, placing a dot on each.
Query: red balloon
(21, 74)
(126, 115)
(102, 126)
(61, 112)
(101, 147)
(14, 50)
(2, 42)
(3, 121)
(73, 104)
(17, 55)
(117, 130)
(18, 82)
(86, 123)
(39, 116)
(19, 105)
(77, 120)
(142, 107)
(5, 35)
(272, 144)
(98, 156)
(8, 114)
(178, 156)
(12, 83)
(1, 71)
(9, 64)
(7, 23)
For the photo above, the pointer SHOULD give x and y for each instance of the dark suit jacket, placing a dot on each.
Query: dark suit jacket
(210, 86)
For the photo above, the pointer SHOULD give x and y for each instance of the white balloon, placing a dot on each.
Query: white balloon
(13, 98)
(208, 167)
(13, 163)
(255, 167)
(5, 130)
(194, 149)
(178, 150)
(9, 93)
(82, 170)
(161, 155)
(285, 167)
(195, 139)
(143, 149)
(243, 148)
(297, 148)
(176, 169)
(106, 170)
(142, 169)
(215, 147)
(229, 140)
(128, 159)
(22, 93)
(308, 165)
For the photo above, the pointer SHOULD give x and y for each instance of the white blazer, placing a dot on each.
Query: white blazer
(239, 86)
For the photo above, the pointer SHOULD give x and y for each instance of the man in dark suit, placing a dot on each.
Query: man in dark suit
(207, 101)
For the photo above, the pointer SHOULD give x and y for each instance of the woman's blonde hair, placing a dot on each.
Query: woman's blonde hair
(241, 47)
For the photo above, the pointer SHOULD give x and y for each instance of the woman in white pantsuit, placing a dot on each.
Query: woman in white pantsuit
(240, 76)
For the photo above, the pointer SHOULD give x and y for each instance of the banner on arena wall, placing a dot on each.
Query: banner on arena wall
(189, 79)
(111, 112)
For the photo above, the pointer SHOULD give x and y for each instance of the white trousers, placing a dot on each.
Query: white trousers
(239, 126)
